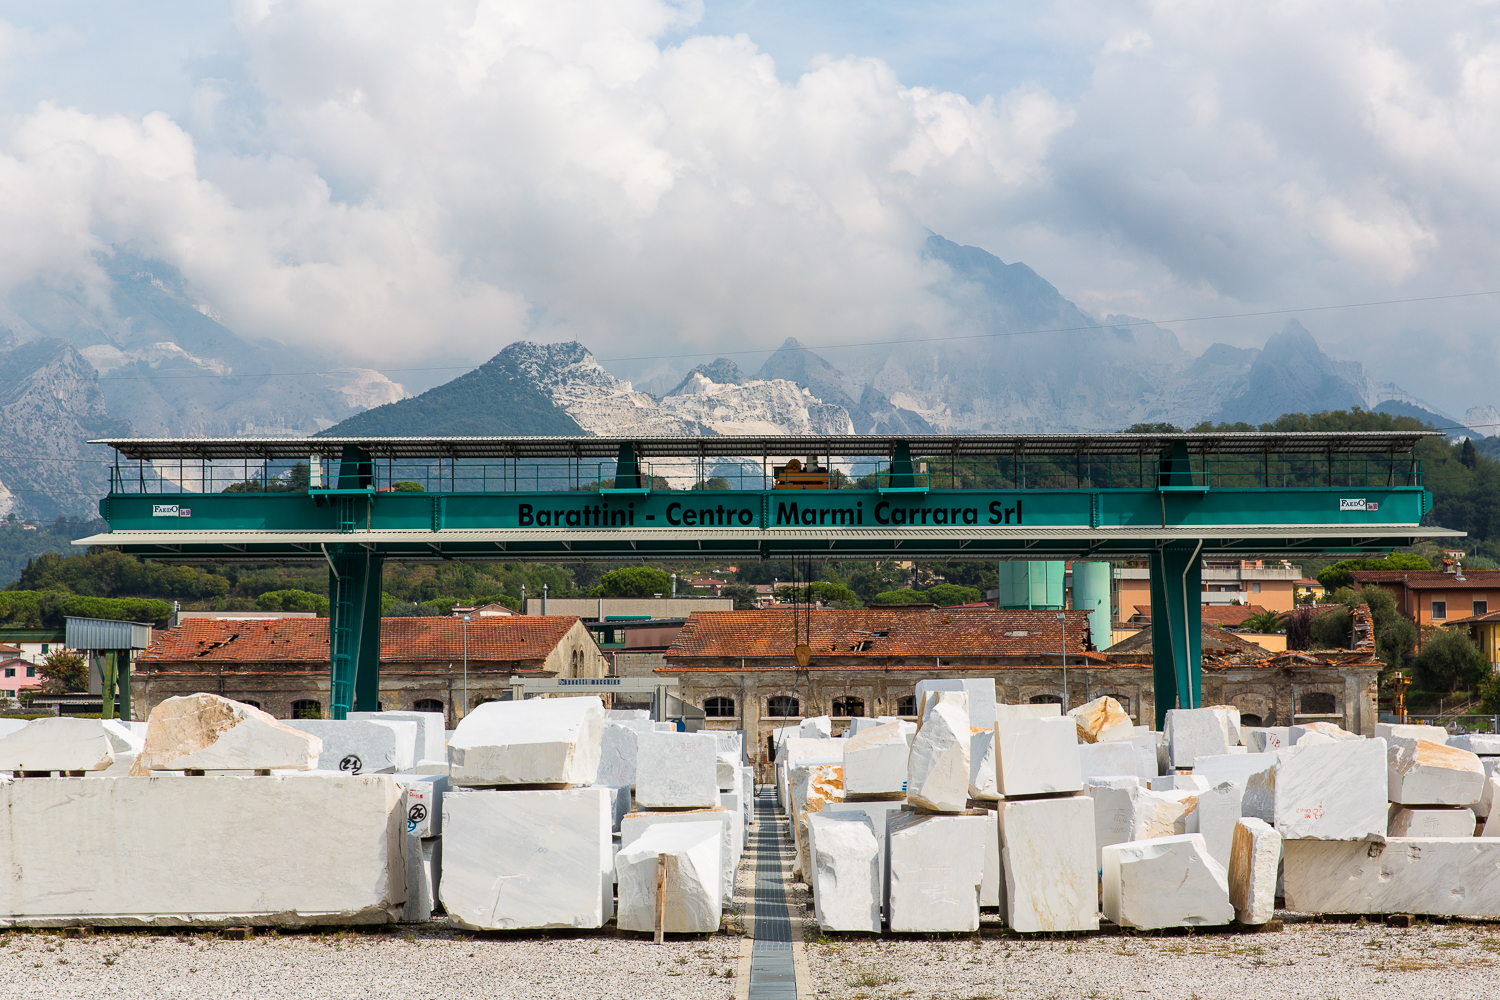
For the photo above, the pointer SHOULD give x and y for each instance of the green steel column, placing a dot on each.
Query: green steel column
(353, 629)
(107, 675)
(122, 677)
(1176, 627)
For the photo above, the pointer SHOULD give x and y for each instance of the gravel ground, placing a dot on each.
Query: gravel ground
(1316, 961)
(436, 962)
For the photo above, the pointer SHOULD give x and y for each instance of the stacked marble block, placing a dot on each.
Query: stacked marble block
(1415, 848)
(527, 836)
(937, 844)
(304, 846)
(846, 861)
(677, 784)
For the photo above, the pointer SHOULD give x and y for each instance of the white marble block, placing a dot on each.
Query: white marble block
(207, 732)
(1196, 732)
(1429, 821)
(1268, 739)
(935, 871)
(423, 872)
(1218, 814)
(1046, 710)
(1051, 865)
(1170, 882)
(540, 741)
(424, 803)
(937, 774)
(1116, 807)
(175, 850)
(617, 754)
(982, 769)
(1457, 876)
(819, 727)
(992, 887)
(1236, 767)
(875, 761)
(877, 813)
(432, 738)
(1112, 759)
(518, 859)
(845, 872)
(813, 787)
(1332, 791)
(1253, 861)
(1422, 773)
(981, 692)
(58, 744)
(1170, 813)
(1483, 744)
(1102, 719)
(1328, 729)
(360, 747)
(694, 903)
(1432, 734)
(731, 839)
(1037, 756)
(1487, 796)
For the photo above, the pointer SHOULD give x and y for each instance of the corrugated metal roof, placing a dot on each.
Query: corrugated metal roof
(102, 633)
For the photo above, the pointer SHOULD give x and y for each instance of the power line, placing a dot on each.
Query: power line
(836, 347)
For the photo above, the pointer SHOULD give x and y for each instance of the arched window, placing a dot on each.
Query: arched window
(1317, 703)
(1124, 700)
(247, 701)
(848, 707)
(1251, 721)
(307, 708)
(783, 706)
(427, 705)
(1046, 699)
(906, 705)
(718, 708)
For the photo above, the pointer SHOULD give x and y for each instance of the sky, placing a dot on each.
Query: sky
(661, 179)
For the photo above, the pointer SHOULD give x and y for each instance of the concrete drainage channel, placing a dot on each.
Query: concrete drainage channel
(776, 958)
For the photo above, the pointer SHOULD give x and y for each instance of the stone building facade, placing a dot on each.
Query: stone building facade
(282, 666)
(738, 668)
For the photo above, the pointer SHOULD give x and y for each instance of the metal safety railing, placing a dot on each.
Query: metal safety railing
(441, 475)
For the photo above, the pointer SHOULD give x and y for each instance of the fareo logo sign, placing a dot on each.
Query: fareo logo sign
(1360, 504)
(170, 510)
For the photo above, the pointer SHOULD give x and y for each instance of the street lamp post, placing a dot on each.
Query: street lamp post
(466, 664)
(1062, 628)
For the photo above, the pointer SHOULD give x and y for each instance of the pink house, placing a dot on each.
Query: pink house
(16, 674)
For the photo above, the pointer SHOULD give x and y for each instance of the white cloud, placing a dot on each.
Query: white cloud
(388, 178)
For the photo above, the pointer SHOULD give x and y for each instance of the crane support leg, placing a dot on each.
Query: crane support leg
(1176, 627)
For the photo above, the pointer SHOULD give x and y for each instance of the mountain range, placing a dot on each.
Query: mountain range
(149, 358)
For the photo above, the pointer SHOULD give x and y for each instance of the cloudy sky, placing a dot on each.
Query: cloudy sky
(663, 178)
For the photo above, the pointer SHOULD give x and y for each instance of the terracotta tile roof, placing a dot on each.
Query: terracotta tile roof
(878, 634)
(1230, 615)
(9, 650)
(1489, 619)
(403, 640)
(1478, 579)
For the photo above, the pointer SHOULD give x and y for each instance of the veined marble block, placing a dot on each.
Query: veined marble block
(1430, 821)
(210, 733)
(534, 742)
(1253, 860)
(938, 767)
(1037, 756)
(1050, 863)
(875, 761)
(1457, 876)
(936, 868)
(845, 872)
(1169, 882)
(694, 904)
(676, 771)
(1422, 773)
(376, 746)
(58, 744)
(1332, 791)
(1102, 719)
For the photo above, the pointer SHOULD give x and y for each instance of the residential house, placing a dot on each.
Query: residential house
(1430, 597)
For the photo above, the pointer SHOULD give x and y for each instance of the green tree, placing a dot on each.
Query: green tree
(744, 595)
(294, 600)
(1264, 622)
(408, 486)
(900, 597)
(632, 581)
(64, 671)
(822, 591)
(876, 578)
(713, 483)
(946, 594)
(1449, 661)
(1395, 634)
(1339, 575)
(1331, 629)
(1489, 694)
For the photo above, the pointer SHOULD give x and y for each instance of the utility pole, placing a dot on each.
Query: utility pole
(1062, 628)
(466, 664)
